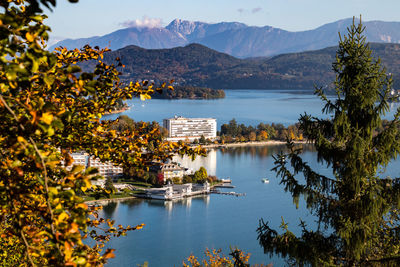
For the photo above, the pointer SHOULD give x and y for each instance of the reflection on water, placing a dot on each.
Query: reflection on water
(111, 207)
(209, 162)
(262, 151)
(176, 229)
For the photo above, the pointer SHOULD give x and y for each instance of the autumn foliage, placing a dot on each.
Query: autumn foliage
(48, 109)
(215, 258)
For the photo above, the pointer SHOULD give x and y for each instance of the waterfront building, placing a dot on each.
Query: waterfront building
(106, 169)
(190, 129)
(168, 170)
(173, 191)
(184, 189)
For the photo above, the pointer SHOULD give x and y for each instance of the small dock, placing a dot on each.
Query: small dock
(228, 193)
(173, 191)
(224, 186)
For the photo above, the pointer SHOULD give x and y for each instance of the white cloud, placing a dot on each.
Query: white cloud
(240, 10)
(145, 22)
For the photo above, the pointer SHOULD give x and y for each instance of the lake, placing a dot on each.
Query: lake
(247, 106)
(175, 229)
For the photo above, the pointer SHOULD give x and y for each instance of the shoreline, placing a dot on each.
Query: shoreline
(211, 146)
(118, 111)
(253, 143)
(107, 200)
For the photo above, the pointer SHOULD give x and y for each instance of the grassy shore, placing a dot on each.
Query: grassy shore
(112, 196)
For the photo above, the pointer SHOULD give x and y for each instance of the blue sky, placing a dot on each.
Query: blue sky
(98, 17)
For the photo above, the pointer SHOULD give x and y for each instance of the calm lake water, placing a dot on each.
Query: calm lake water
(247, 106)
(175, 229)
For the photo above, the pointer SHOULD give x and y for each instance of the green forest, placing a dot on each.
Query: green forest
(52, 105)
(190, 92)
(197, 65)
(234, 132)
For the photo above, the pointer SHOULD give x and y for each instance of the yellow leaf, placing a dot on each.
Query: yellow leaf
(63, 216)
(67, 250)
(20, 139)
(82, 206)
(81, 261)
(47, 117)
(140, 226)
(53, 190)
(88, 184)
(30, 37)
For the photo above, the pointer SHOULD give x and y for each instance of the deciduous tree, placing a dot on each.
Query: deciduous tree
(200, 175)
(48, 109)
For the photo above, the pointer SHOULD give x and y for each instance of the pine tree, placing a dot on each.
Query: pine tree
(357, 209)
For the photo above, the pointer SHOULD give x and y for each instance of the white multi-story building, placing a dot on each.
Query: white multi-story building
(80, 158)
(106, 169)
(180, 128)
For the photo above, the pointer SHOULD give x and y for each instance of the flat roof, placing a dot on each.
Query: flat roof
(184, 118)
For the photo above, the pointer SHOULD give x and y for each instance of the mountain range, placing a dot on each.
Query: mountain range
(236, 39)
(197, 65)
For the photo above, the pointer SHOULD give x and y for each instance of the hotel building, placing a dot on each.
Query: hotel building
(106, 169)
(180, 128)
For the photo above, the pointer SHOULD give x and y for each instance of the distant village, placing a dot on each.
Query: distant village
(179, 129)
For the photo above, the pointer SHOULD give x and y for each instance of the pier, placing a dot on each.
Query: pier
(173, 191)
(224, 186)
(228, 193)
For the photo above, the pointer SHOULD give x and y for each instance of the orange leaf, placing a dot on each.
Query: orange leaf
(109, 254)
(30, 37)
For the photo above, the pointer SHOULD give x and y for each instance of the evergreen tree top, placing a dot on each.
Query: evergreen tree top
(357, 210)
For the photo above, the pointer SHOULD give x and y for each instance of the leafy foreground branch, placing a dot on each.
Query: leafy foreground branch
(48, 109)
(357, 209)
(215, 258)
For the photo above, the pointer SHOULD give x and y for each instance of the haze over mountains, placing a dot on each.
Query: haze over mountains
(236, 39)
(197, 65)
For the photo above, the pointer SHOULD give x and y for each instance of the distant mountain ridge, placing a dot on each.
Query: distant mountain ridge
(237, 39)
(197, 65)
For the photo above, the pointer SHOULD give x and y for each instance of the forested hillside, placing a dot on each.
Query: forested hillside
(197, 65)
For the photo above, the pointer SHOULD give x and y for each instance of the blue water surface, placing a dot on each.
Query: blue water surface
(175, 229)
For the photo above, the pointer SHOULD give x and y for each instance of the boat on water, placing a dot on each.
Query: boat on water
(265, 180)
(226, 181)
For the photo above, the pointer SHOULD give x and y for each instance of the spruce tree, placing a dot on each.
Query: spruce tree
(357, 209)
